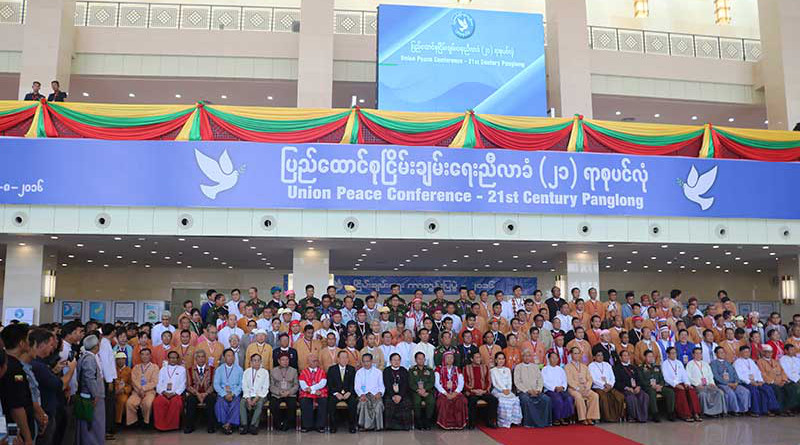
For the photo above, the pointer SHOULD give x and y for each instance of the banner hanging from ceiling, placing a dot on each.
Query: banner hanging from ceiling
(378, 177)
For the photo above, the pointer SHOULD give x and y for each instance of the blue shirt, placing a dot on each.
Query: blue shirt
(719, 368)
(225, 376)
(204, 309)
(684, 351)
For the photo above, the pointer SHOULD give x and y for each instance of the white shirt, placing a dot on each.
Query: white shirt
(66, 347)
(369, 381)
(438, 381)
(554, 376)
(158, 330)
(315, 387)
(508, 310)
(674, 373)
(406, 357)
(174, 375)
(791, 365)
(747, 370)
(501, 380)
(233, 308)
(388, 351)
(425, 348)
(264, 324)
(456, 321)
(602, 374)
(255, 383)
(107, 361)
(697, 371)
(224, 335)
(708, 351)
(566, 322)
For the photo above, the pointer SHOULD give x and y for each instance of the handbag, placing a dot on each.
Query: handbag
(84, 408)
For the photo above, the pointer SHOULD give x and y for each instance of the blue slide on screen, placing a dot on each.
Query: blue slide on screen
(443, 59)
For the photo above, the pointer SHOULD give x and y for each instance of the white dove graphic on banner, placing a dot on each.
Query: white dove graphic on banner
(698, 185)
(221, 172)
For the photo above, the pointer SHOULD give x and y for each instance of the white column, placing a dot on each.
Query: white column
(789, 265)
(583, 271)
(569, 82)
(22, 285)
(310, 267)
(47, 44)
(315, 58)
(780, 61)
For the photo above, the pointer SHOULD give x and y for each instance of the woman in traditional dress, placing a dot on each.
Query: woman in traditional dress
(509, 411)
(451, 404)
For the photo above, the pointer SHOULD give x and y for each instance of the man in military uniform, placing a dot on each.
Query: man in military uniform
(394, 290)
(219, 311)
(446, 345)
(421, 381)
(464, 303)
(256, 303)
(350, 290)
(438, 302)
(330, 291)
(653, 384)
(310, 299)
(397, 308)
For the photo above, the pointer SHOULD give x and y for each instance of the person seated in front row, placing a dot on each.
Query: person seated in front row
(255, 389)
(313, 396)
(283, 386)
(536, 406)
(397, 404)
(200, 390)
(341, 388)
(369, 388)
(168, 405)
(228, 385)
(451, 404)
(144, 378)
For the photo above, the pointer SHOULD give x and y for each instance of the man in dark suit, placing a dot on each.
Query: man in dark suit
(606, 347)
(35, 94)
(554, 303)
(341, 388)
(283, 348)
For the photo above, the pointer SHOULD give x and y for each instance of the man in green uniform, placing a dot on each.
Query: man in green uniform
(653, 384)
(256, 303)
(421, 381)
(446, 345)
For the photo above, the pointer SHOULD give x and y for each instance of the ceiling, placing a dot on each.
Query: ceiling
(395, 255)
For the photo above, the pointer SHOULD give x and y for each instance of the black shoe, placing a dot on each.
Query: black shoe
(211, 430)
(303, 430)
(333, 430)
(353, 430)
(321, 430)
(242, 430)
(188, 430)
(254, 430)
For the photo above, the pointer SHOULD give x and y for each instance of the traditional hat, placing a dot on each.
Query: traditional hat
(259, 331)
(349, 288)
(289, 293)
(384, 309)
(121, 355)
(274, 289)
(293, 322)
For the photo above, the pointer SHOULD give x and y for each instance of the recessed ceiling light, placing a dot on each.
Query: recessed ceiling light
(513, 270)
(683, 267)
(396, 268)
(262, 259)
(454, 261)
(659, 270)
(584, 251)
(758, 270)
(101, 251)
(181, 239)
(167, 258)
(53, 237)
(554, 244)
(435, 243)
(669, 262)
(499, 261)
(628, 262)
(766, 122)
(695, 258)
(254, 247)
(772, 254)
(486, 265)
(544, 261)
(415, 255)
(230, 267)
(309, 240)
(119, 257)
(609, 257)
(625, 270)
(664, 246)
(117, 238)
(206, 253)
(715, 246)
(245, 240)
(195, 247)
(727, 253)
(634, 252)
(479, 250)
(273, 268)
(188, 267)
(70, 256)
(528, 265)
(708, 262)
(310, 248)
(137, 245)
(681, 253)
(223, 96)
(134, 262)
(618, 113)
(368, 249)
(131, 95)
(475, 269)
(147, 266)
(738, 258)
(178, 262)
(269, 97)
(153, 252)
(79, 245)
(90, 261)
(717, 266)
(495, 244)
(652, 257)
(408, 261)
(657, 115)
(515, 256)
(765, 247)
(610, 245)
(373, 242)
(63, 264)
(363, 254)
(533, 251)
(726, 271)
(217, 258)
(424, 250)
(85, 94)
(436, 270)
(745, 262)
(177, 96)
(22, 244)
(466, 256)
(730, 119)
(141, 239)
(694, 118)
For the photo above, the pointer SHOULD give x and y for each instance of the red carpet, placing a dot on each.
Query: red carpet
(556, 435)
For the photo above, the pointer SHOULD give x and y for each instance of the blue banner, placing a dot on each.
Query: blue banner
(364, 284)
(376, 177)
(443, 59)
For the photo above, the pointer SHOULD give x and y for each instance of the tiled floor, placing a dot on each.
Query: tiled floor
(734, 431)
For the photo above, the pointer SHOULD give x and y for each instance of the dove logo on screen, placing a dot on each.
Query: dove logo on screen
(219, 171)
(697, 185)
(463, 25)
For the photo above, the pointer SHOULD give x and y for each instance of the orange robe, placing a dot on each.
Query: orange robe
(305, 349)
(327, 357)
(213, 351)
(487, 354)
(513, 356)
(593, 336)
(265, 351)
(186, 354)
(642, 347)
(584, 346)
(538, 350)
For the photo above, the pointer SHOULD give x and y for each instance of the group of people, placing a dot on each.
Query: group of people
(56, 96)
(395, 365)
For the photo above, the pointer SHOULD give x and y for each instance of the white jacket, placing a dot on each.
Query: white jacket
(255, 386)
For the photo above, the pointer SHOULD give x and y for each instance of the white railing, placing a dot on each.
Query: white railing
(674, 44)
(186, 16)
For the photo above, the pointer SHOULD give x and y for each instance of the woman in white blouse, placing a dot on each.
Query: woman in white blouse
(555, 385)
(509, 411)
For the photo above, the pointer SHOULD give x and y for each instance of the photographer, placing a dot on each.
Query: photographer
(46, 369)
